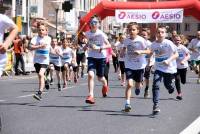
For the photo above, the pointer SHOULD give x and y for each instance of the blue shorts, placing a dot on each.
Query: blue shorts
(98, 65)
(136, 75)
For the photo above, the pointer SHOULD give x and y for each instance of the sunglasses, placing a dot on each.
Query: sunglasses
(94, 22)
(41, 29)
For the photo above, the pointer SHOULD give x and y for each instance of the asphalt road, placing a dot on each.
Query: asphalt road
(66, 112)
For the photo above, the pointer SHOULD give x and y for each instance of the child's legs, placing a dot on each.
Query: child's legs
(122, 68)
(169, 80)
(91, 69)
(183, 73)
(177, 82)
(156, 86)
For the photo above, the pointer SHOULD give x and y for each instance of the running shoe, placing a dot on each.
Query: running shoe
(82, 75)
(146, 94)
(156, 109)
(47, 84)
(51, 82)
(104, 91)
(59, 87)
(137, 91)
(179, 97)
(90, 100)
(64, 86)
(123, 84)
(37, 96)
(75, 80)
(170, 91)
(198, 81)
(127, 108)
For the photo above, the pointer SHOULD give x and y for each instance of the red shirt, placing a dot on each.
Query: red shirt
(18, 47)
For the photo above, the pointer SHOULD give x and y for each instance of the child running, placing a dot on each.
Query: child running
(182, 65)
(165, 65)
(67, 60)
(135, 61)
(55, 61)
(6, 24)
(97, 44)
(120, 47)
(150, 62)
(194, 47)
(41, 44)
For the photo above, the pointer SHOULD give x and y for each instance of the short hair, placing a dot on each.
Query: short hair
(146, 30)
(41, 24)
(133, 24)
(95, 16)
(161, 27)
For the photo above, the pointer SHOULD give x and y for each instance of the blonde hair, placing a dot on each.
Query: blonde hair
(184, 39)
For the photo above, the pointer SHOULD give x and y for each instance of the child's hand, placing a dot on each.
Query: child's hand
(166, 62)
(137, 52)
(2, 48)
(182, 62)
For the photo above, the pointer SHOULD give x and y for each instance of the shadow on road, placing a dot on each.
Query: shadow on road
(18, 104)
(55, 106)
(119, 113)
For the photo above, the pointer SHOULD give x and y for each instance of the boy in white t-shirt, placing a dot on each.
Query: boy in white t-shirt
(97, 45)
(135, 62)
(165, 65)
(55, 61)
(6, 24)
(41, 44)
(150, 62)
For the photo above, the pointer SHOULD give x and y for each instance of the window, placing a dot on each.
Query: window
(187, 27)
(198, 27)
(178, 28)
(19, 2)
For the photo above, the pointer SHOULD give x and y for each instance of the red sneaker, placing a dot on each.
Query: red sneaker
(104, 91)
(90, 100)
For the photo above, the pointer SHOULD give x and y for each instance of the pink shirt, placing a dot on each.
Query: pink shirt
(108, 54)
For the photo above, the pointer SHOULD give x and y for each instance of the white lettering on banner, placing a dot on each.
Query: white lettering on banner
(150, 16)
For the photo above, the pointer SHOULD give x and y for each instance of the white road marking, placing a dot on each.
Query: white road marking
(2, 100)
(28, 95)
(193, 128)
(24, 96)
(18, 78)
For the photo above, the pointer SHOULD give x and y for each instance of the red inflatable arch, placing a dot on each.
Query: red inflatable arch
(107, 8)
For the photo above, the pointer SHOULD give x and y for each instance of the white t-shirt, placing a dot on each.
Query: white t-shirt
(5, 23)
(163, 51)
(67, 55)
(120, 47)
(195, 43)
(54, 58)
(182, 52)
(41, 55)
(152, 58)
(98, 38)
(134, 61)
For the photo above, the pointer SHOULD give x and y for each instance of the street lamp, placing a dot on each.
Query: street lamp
(56, 4)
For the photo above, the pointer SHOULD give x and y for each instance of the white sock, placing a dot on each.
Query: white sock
(127, 101)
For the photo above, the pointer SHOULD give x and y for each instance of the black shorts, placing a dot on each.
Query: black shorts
(136, 75)
(147, 72)
(122, 66)
(80, 58)
(39, 66)
(63, 68)
(98, 65)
